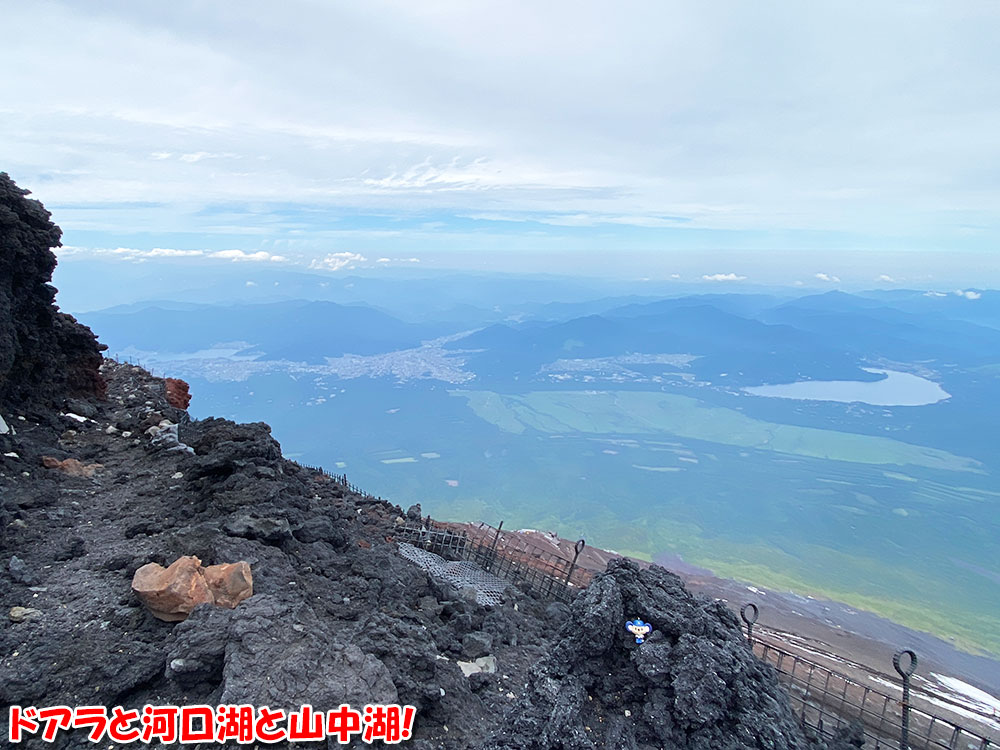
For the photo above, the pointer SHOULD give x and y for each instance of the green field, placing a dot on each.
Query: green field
(641, 412)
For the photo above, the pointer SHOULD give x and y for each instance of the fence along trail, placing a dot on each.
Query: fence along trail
(824, 697)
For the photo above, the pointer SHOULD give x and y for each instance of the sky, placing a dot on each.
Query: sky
(728, 143)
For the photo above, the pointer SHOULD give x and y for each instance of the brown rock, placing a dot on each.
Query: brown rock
(71, 466)
(171, 593)
(230, 583)
(178, 394)
(23, 614)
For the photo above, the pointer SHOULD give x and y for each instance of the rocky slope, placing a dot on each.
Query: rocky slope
(100, 473)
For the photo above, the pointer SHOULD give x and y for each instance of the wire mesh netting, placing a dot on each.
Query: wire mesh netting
(508, 555)
(489, 588)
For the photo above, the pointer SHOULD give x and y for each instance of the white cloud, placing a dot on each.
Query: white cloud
(827, 277)
(251, 283)
(129, 253)
(167, 252)
(336, 261)
(968, 294)
(723, 277)
(240, 255)
(383, 260)
(886, 278)
(935, 294)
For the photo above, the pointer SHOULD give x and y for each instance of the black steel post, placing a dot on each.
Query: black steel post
(580, 544)
(749, 620)
(493, 548)
(905, 673)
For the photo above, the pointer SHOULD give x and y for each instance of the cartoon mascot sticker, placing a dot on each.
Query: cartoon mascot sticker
(639, 629)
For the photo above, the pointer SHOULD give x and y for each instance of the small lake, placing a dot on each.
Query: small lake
(895, 389)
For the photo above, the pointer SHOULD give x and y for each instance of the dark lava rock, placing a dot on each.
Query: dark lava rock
(269, 530)
(45, 355)
(693, 685)
(315, 667)
(21, 572)
(475, 645)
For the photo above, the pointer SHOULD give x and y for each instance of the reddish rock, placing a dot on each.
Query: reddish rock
(364, 544)
(171, 593)
(230, 583)
(71, 466)
(178, 394)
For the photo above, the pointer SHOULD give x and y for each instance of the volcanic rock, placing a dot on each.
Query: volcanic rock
(23, 614)
(230, 583)
(171, 593)
(71, 466)
(694, 684)
(45, 355)
(178, 394)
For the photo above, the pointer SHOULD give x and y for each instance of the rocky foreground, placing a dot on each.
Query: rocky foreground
(103, 472)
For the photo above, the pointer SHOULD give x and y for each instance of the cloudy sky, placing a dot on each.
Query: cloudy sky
(817, 141)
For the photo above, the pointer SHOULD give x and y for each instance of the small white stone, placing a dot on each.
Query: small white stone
(126, 434)
(12, 454)
(111, 430)
(177, 475)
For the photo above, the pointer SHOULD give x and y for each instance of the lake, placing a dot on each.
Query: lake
(895, 389)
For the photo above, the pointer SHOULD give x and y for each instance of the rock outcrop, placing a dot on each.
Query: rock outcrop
(693, 684)
(45, 355)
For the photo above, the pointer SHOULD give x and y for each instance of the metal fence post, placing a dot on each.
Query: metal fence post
(905, 673)
(580, 544)
(493, 548)
(749, 620)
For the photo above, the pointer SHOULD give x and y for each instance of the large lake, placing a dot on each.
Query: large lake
(895, 389)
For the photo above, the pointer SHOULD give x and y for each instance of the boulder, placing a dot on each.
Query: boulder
(230, 583)
(171, 593)
(20, 572)
(476, 644)
(178, 394)
(23, 614)
(71, 466)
